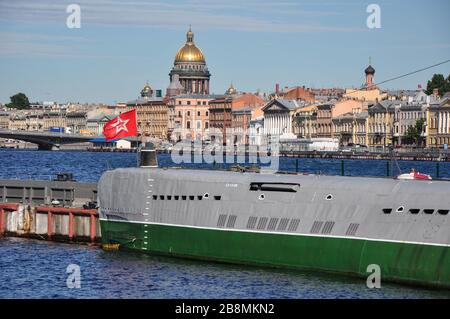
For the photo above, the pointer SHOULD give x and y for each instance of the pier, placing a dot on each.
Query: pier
(49, 210)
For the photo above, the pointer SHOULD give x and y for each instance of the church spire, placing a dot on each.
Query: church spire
(190, 35)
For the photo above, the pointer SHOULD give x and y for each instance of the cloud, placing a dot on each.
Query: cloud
(20, 44)
(247, 15)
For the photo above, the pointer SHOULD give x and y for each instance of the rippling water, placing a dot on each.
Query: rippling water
(37, 269)
(88, 166)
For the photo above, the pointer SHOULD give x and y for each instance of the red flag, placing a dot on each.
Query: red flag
(121, 126)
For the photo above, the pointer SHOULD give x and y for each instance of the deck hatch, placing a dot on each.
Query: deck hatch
(352, 228)
(274, 187)
(221, 220)
(315, 229)
(328, 227)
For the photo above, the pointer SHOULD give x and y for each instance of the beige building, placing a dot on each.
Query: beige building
(380, 124)
(76, 121)
(350, 128)
(4, 120)
(18, 122)
(53, 119)
(305, 122)
(438, 124)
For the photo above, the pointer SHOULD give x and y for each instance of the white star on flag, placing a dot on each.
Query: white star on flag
(120, 125)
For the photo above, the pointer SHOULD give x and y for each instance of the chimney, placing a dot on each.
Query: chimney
(277, 88)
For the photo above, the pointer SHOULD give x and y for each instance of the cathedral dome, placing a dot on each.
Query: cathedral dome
(189, 52)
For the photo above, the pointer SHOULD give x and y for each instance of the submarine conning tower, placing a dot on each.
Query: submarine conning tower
(147, 157)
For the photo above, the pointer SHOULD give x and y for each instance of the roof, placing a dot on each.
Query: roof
(369, 70)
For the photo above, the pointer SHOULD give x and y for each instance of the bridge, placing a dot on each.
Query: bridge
(47, 140)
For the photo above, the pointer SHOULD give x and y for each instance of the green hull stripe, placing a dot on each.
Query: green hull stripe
(404, 262)
(282, 233)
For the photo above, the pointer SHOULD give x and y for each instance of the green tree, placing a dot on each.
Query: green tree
(414, 133)
(19, 101)
(438, 82)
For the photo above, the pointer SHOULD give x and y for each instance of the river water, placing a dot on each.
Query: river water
(37, 269)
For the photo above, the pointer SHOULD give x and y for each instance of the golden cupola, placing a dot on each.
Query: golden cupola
(189, 52)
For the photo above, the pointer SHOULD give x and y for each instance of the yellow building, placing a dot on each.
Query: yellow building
(438, 124)
(380, 124)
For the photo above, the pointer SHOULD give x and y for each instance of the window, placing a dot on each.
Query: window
(188, 103)
(161, 197)
(428, 211)
(176, 197)
(443, 211)
(188, 124)
(191, 197)
(206, 195)
(387, 210)
(217, 197)
(155, 197)
(414, 211)
(184, 197)
(206, 125)
(199, 197)
(198, 113)
(169, 197)
(206, 113)
(188, 113)
(400, 209)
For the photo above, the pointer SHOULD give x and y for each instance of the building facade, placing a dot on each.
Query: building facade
(190, 117)
(278, 117)
(438, 124)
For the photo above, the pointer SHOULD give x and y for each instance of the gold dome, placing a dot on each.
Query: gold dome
(189, 52)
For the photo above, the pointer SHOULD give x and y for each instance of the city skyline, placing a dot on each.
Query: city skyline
(253, 45)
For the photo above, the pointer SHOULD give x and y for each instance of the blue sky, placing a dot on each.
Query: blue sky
(253, 43)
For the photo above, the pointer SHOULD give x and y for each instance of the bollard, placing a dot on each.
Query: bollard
(342, 168)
